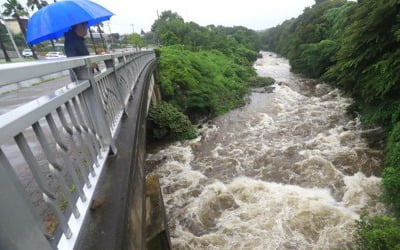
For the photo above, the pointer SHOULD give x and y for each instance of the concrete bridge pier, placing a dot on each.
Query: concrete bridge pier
(157, 233)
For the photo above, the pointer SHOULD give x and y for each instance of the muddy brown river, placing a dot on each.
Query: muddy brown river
(289, 170)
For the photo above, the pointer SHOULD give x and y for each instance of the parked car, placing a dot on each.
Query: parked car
(27, 53)
(54, 55)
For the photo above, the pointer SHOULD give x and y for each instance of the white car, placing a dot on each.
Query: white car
(27, 53)
(54, 55)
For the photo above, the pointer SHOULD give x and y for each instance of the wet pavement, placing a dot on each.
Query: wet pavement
(14, 99)
(10, 101)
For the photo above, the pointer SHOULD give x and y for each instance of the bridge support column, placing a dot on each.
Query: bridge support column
(157, 94)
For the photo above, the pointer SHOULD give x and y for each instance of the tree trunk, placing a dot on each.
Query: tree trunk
(21, 27)
(4, 51)
(23, 30)
(52, 45)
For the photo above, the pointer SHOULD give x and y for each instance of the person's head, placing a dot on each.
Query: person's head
(80, 29)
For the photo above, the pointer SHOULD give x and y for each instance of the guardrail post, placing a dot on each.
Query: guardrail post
(19, 227)
(96, 109)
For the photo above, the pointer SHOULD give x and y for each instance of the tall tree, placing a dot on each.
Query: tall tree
(137, 41)
(169, 28)
(36, 3)
(12, 8)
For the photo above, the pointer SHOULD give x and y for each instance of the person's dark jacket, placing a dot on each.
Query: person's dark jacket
(74, 45)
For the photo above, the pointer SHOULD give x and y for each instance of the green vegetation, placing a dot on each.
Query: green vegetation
(204, 71)
(206, 83)
(378, 233)
(72, 188)
(260, 81)
(168, 123)
(137, 41)
(355, 46)
(311, 41)
(63, 204)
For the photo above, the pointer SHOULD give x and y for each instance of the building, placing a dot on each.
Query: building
(13, 26)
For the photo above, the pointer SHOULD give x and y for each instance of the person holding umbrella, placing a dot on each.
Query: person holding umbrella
(70, 18)
(74, 43)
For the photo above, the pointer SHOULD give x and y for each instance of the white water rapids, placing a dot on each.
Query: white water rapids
(289, 170)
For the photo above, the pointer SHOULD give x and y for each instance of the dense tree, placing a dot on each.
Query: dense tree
(169, 22)
(205, 83)
(137, 41)
(12, 8)
(368, 62)
(311, 40)
(239, 42)
(38, 4)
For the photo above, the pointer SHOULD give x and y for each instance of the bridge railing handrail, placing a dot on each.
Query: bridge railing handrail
(66, 134)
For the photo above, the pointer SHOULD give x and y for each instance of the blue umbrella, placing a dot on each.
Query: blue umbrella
(50, 22)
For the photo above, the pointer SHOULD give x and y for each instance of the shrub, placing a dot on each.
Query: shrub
(378, 233)
(391, 185)
(167, 122)
(206, 83)
(259, 81)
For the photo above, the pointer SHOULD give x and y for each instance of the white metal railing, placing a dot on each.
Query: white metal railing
(55, 147)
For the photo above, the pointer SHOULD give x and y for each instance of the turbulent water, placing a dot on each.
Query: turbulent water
(290, 170)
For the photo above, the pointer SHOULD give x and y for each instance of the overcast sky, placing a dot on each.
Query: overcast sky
(135, 15)
(253, 14)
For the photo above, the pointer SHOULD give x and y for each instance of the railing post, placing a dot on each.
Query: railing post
(19, 227)
(96, 109)
(110, 64)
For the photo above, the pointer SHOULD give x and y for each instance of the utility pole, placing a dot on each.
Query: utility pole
(111, 37)
(91, 38)
(133, 29)
(158, 40)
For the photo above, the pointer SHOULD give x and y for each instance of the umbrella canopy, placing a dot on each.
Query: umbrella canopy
(50, 22)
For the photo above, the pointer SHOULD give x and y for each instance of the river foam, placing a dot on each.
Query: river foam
(290, 170)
